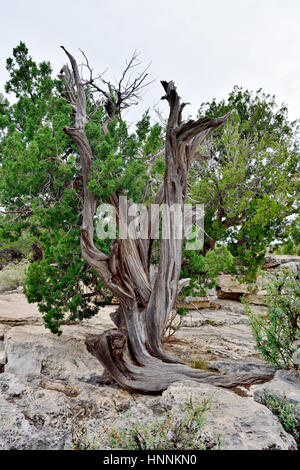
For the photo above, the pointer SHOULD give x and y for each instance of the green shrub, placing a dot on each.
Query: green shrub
(166, 433)
(277, 334)
(287, 412)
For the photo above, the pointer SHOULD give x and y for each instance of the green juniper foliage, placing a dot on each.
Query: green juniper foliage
(116, 168)
(203, 269)
(250, 186)
(41, 185)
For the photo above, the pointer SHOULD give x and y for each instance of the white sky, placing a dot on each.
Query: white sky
(206, 47)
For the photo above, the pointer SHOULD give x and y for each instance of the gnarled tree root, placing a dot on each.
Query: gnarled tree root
(106, 379)
(137, 370)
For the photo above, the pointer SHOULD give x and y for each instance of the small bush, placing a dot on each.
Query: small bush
(173, 324)
(167, 433)
(277, 335)
(287, 412)
(13, 275)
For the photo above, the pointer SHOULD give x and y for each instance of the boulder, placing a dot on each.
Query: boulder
(238, 423)
(232, 423)
(33, 351)
(24, 424)
(257, 299)
(230, 288)
(15, 310)
(274, 261)
(227, 284)
(285, 387)
(285, 384)
(42, 415)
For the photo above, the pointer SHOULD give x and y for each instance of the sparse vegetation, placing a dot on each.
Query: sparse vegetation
(167, 433)
(277, 334)
(13, 275)
(173, 324)
(287, 412)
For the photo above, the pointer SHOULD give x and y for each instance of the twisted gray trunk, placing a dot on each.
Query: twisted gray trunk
(133, 353)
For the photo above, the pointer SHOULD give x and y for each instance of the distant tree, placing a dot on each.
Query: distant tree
(248, 179)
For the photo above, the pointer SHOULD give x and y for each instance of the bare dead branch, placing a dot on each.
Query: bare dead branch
(204, 125)
(127, 92)
(160, 116)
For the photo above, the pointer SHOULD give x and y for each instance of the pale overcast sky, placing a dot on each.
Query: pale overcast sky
(206, 47)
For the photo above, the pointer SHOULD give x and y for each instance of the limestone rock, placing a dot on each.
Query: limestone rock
(33, 351)
(24, 425)
(42, 415)
(200, 302)
(49, 384)
(239, 423)
(257, 299)
(285, 384)
(230, 288)
(227, 284)
(196, 318)
(15, 310)
(210, 342)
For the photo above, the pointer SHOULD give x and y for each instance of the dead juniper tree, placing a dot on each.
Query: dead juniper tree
(132, 354)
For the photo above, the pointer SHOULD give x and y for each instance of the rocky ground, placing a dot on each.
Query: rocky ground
(49, 385)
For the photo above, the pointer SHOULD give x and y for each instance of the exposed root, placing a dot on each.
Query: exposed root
(106, 379)
(135, 369)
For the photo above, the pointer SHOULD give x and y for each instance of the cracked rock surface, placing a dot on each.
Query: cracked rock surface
(49, 385)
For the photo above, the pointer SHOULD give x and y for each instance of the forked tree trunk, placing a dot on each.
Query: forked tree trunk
(133, 354)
